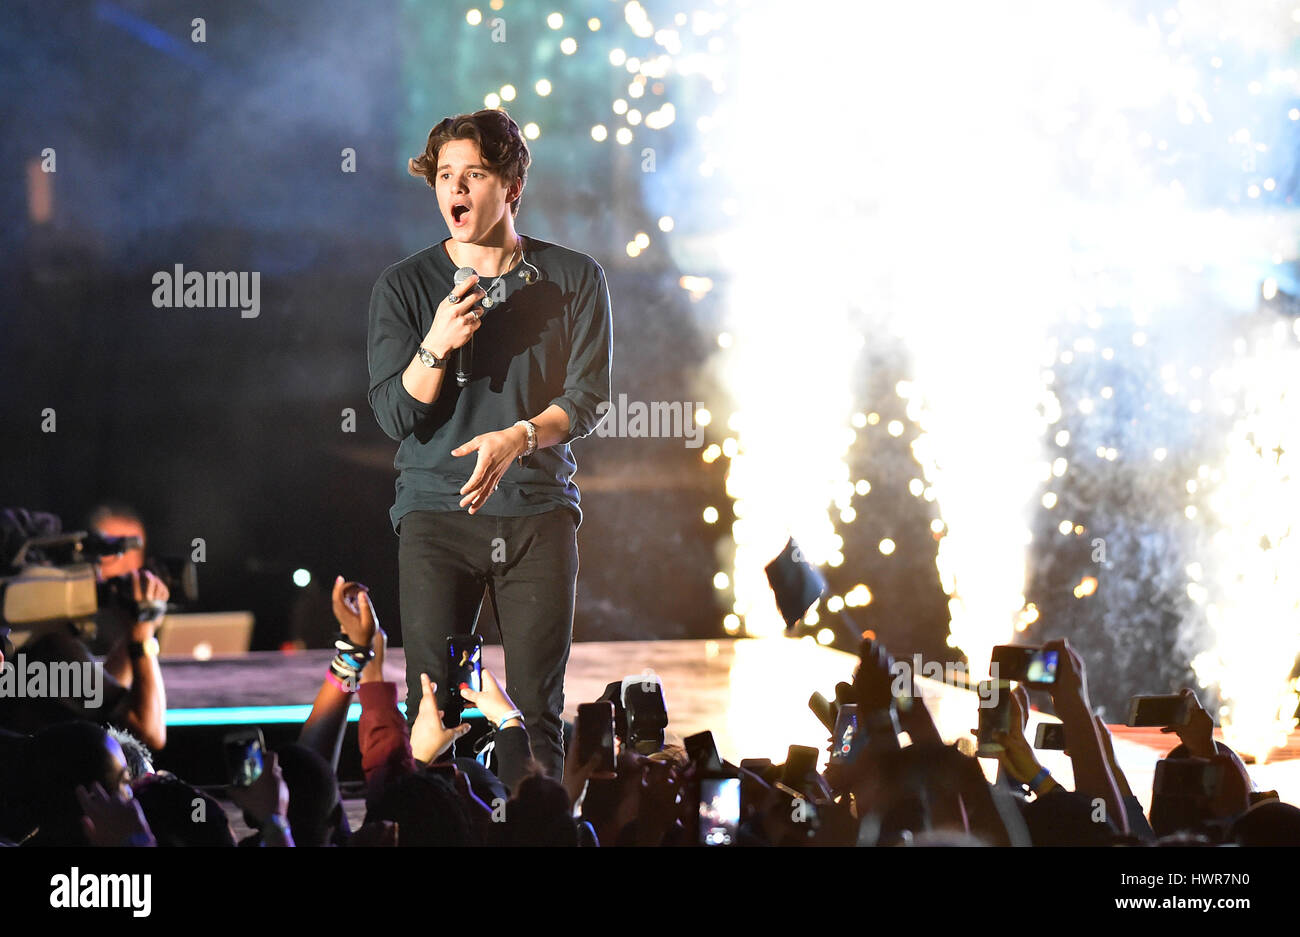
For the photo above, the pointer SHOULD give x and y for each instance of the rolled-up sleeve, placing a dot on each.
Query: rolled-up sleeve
(392, 338)
(587, 379)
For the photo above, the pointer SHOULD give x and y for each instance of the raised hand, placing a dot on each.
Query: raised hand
(1017, 755)
(150, 594)
(1071, 686)
(266, 797)
(491, 701)
(1198, 734)
(354, 613)
(112, 821)
(429, 737)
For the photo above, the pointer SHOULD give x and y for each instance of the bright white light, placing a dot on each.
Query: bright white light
(1252, 593)
(543, 87)
(301, 578)
(984, 411)
(599, 132)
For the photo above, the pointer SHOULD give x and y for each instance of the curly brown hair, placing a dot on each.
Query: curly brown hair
(499, 141)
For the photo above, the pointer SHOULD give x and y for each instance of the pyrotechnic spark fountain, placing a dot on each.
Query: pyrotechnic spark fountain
(1030, 198)
(1253, 592)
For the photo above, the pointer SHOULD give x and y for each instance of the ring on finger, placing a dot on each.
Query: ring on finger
(453, 298)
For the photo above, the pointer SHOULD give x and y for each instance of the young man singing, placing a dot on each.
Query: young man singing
(485, 492)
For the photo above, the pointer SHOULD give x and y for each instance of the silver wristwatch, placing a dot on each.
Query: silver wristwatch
(531, 430)
(430, 360)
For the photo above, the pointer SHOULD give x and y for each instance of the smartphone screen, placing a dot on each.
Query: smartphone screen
(1050, 736)
(994, 716)
(719, 811)
(244, 752)
(464, 665)
(596, 733)
(844, 744)
(1031, 665)
(1159, 710)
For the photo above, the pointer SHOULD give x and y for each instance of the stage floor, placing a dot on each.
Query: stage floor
(751, 693)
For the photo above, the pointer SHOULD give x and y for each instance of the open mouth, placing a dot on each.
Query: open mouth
(458, 212)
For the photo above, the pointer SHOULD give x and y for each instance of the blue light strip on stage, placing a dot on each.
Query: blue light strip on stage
(263, 715)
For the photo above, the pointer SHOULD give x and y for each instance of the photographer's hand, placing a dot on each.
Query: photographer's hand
(1198, 734)
(491, 701)
(267, 800)
(577, 775)
(429, 737)
(657, 802)
(112, 821)
(1017, 755)
(133, 662)
(1070, 691)
(150, 594)
(1092, 774)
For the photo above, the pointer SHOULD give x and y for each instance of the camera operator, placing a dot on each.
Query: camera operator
(133, 697)
(127, 623)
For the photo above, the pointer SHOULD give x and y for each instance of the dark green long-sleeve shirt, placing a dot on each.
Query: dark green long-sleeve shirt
(547, 342)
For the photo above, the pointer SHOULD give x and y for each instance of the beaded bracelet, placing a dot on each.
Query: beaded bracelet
(351, 659)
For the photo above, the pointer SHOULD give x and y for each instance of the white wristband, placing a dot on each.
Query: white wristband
(513, 714)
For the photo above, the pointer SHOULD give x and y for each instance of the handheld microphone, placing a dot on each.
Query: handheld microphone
(465, 353)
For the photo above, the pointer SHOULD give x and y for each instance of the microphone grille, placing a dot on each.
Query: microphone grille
(463, 274)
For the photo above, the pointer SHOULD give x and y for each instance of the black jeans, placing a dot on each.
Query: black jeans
(530, 565)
